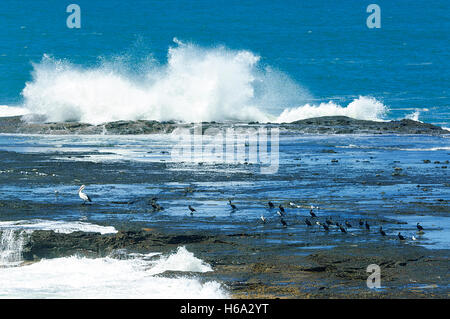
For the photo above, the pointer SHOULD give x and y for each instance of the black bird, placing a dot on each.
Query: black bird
(157, 207)
(361, 222)
(283, 222)
(348, 224)
(400, 237)
(325, 227)
(420, 228)
(307, 222)
(192, 209)
(342, 229)
(337, 224)
(233, 207)
(382, 232)
(329, 221)
(281, 209)
(312, 213)
(271, 205)
(367, 226)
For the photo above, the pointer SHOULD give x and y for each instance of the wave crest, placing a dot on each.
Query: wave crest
(362, 108)
(195, 84)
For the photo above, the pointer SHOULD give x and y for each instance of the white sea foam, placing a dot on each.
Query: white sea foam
(13, 235)
(393, 148)
(11, 245)
(79, 277)
(55, 225)
(182, 260)
(138, 276)
(6, 110)
(362, 108)
(413, 116)
(196, 84)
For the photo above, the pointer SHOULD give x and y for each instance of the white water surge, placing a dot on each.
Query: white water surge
(195, 84)
(136, 276)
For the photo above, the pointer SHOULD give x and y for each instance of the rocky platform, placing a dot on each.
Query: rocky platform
(319, 125)
(406, 271)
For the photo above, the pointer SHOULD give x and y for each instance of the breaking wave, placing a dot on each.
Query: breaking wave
(104, 278)
(195, 84)
(362, 108)
(132, 275)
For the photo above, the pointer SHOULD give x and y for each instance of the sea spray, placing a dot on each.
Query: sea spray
(6, 110)
(58, 226)
(11, 246)
(131, 276)
(362, 108)
(195, 84)
(182, 260)
(134, 277)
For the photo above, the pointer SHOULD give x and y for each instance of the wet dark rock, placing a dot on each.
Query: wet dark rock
(346, 125)
(49, 244)
(322, 125)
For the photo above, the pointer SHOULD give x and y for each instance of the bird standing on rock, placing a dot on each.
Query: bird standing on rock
(83, 196)
(156, 207)
(311, 212)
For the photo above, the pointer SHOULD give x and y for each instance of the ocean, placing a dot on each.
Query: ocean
(311, 58)
(224, 62)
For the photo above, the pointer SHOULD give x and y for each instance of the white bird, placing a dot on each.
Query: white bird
(83, 196)
(264, 220)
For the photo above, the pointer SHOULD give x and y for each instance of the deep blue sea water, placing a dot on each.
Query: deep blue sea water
(323, 46)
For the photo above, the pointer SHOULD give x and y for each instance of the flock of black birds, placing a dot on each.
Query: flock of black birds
(329, 222)
(281, 212)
